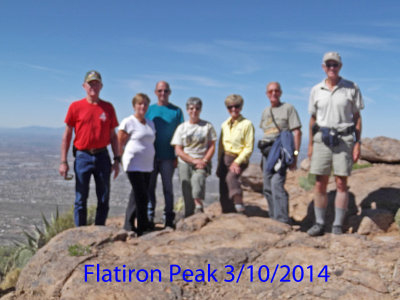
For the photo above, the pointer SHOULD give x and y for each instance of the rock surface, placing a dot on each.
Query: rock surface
(380, 149)
(358, 266)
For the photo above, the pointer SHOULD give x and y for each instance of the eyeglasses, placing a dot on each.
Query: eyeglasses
(275, 90)
(332, 65)
(194, 108)
(165, 91)
(237, 106)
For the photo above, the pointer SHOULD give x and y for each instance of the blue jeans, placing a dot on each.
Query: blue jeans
(276, 195)
(166, 169)
(100, 166)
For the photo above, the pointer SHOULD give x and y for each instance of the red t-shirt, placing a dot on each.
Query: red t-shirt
(92, 123)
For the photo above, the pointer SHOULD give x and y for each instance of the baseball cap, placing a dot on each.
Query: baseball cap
(332, 56)
(92, 75)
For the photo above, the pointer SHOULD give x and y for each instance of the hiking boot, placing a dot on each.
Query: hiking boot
(337, 229)
(316, 230)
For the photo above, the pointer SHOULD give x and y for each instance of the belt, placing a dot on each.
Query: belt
(348, 130)
(94, 151)
(230, 154)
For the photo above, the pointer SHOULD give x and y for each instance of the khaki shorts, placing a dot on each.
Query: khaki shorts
(340, 157)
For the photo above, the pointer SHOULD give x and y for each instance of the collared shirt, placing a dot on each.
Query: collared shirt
(237, 138)
(335, 108)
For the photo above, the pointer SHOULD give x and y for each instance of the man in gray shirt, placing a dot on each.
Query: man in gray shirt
(276, 118)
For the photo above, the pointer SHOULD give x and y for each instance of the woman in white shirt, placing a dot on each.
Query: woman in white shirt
(136, 145)
(194, 142)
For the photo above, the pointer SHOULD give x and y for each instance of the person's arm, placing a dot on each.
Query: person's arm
(310, 136)
(297, 143)
(357, 144)
(115, 150)
(66, 142)
(183, 155)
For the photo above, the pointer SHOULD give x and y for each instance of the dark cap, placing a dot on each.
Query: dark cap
(92, 75)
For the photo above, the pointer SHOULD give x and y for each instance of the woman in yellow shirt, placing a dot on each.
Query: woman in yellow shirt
(235, 148)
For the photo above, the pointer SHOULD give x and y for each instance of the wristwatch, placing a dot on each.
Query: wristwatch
(296, 153)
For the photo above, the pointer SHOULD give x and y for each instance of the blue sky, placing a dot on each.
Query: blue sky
(208, 49)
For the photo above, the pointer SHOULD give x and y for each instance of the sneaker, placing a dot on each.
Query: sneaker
(199, 209)
(240, 208)
(337, 229)
(316, 230)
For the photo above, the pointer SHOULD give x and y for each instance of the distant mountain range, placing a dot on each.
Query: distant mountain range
(32, 130)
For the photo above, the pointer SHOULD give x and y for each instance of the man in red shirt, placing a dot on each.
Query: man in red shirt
(94, 121)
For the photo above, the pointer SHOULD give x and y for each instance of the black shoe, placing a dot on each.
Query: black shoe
(316, 230)
(151, 225)
(170, 224)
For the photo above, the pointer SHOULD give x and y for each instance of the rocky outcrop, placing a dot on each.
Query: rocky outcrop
(241, 248)
(380, 150)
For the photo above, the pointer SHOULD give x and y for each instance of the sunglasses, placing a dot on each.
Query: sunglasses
(165, 91)
(237, 106)
(332, 65)
(275, 90)
(194, 108)
(69, 177)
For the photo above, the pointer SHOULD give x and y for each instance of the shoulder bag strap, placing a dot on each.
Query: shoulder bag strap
(273, 119)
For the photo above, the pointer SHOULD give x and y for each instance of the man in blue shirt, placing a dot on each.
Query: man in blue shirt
(166, 118)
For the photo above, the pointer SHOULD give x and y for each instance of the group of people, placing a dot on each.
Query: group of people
(155, 140)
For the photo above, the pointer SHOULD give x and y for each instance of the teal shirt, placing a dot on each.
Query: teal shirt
(166, 118)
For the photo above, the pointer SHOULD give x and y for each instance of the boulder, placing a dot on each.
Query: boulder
(252, 178)
(380, 150)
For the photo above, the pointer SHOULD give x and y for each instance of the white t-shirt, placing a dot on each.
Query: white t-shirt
(139, 149)
(194, 137)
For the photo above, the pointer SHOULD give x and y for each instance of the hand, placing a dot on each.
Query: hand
(199, 163)
(356, 152)
(235, 168)
(310, 150)
(63, 169)
(293, 166)
(115, 169)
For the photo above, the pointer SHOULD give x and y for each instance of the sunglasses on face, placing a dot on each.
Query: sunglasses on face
(237, 106)
(275, 90)
(194, 108)
(165, 91)
(334, 65)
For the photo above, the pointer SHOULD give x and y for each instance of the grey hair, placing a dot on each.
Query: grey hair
(194, 101)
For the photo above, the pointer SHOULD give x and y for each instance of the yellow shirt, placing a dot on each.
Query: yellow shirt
(237, 138)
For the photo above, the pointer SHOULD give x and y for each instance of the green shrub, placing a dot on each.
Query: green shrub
(357, 166)
(307, 183)
(16, 257)
(78, 250)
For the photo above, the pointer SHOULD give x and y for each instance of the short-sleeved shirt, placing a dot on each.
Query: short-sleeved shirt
(166, 119)
(285, 116)
(139, 150)
(194, 138)
(92, 123)
(335, 108)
